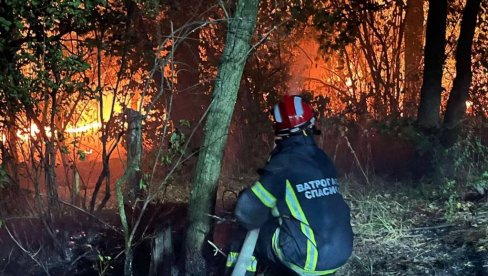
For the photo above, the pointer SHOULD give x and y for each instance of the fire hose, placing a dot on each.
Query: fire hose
(245, 256)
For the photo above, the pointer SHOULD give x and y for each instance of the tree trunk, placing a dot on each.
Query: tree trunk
(414, 35)
(134, 153)
(50, 165)
(202, 197)
(456, 105)
(434, 55)
(162, 254)
(11, 157)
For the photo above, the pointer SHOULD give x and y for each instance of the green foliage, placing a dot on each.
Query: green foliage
(104, 263)
(452, 199)
(5, 24)
(403, 128)
(35, 57)
(103, 258)
(374, 211)
(469, 155)
(176, 147)
(465, 162)
(143, 182)
(380, 215)
(185, 123)
(177, 141)
(64, 150)
(481, 184)
(81, 155)
(4, 178)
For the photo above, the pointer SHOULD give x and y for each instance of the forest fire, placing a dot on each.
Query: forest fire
(84, 128)
(34, 130)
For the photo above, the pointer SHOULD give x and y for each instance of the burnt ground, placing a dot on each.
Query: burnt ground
(400, 229)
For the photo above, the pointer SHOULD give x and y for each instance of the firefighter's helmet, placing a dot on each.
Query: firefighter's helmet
(292, 115)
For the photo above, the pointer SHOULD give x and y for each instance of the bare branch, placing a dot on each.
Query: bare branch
(217, 250)
(221, 4)
(31, 255)
(91, 215)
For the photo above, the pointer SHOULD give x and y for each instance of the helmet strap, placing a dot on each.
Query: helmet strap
(299, 130)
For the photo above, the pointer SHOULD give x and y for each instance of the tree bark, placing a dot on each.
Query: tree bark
(414, 35)
(202, 197)
(134, 153)
(434, 55)
(456, 105)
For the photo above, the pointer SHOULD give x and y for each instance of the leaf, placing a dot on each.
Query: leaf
(64, 150)
(166, 160)
(185, 123)
(81, 155)
(5, 23)
(142, 184)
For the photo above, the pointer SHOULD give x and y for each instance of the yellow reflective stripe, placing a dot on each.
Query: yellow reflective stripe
(294, 267)
(293, 204)
(275, 245)
(312, 257)
(266, 197)
(253, 265)
(297, 212)
(231, 259)
(307, 231)
(303, 272)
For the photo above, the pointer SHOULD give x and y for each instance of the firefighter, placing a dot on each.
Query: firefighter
(303, 219)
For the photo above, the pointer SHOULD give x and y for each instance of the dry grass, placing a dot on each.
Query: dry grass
(402, 229)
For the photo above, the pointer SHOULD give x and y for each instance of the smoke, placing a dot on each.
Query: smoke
(305, 66)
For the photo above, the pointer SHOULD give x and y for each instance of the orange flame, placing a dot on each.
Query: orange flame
(25, 134)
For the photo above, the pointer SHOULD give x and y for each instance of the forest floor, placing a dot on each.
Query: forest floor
(405, 229)
(400, 229)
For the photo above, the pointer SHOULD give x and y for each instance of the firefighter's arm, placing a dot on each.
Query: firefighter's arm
(250, 212)
(254, 206)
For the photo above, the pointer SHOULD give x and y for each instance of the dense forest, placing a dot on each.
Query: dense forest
(128, 129)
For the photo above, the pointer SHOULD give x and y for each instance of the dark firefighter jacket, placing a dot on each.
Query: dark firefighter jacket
(299, 188)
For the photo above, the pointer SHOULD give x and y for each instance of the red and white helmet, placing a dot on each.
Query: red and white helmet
(292, 115)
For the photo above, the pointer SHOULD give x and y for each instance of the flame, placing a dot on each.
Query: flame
(25, 134)
(84, 128)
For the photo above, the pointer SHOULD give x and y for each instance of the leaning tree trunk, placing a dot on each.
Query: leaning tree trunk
(434, 53)
(202, 197)
(414, 35)
(456, 105)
